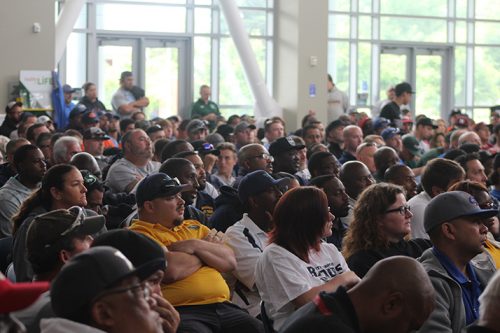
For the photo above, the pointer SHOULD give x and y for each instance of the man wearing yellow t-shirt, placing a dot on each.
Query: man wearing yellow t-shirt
(196, 257)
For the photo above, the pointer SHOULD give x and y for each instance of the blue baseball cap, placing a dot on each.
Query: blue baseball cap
(380, 122)
(389, 133)
(255, 183)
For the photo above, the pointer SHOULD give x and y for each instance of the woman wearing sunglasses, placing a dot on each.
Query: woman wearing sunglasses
(381, 223)
(62, 187)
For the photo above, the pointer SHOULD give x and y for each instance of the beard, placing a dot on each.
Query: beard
(178, 221)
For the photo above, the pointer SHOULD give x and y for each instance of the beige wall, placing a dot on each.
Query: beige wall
(21, 48)
(294, 48)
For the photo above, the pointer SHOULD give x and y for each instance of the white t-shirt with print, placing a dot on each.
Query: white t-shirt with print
(281, 277)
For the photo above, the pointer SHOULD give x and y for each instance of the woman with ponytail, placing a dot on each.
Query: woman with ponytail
(62, 187)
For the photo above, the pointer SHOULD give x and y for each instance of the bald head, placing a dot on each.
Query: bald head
(365, 153)
(254, 157)
(396, 295)
(454, 138)
(353, 136)
(384, 158)
(469, 137)
(356, 177)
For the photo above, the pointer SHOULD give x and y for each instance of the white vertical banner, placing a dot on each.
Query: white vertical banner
(65, 23)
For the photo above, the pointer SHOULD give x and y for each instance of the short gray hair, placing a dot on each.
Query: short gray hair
(61, 148)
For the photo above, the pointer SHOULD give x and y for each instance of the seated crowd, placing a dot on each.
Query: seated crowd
(119, 223)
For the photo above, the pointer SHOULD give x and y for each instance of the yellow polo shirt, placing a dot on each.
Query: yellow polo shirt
(206, 285)
(494, 252)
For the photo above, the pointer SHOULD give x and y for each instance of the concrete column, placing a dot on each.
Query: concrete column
(22, 48)
(300, 59)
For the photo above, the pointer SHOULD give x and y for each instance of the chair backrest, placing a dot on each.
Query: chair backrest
(268, 323)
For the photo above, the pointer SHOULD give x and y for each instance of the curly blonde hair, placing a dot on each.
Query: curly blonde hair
(364, 231)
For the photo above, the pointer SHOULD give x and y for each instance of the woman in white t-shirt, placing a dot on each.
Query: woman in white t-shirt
(297, 264)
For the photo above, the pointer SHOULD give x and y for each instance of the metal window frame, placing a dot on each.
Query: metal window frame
(450, 44)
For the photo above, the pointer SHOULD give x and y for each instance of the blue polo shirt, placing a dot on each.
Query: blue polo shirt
(471, 288)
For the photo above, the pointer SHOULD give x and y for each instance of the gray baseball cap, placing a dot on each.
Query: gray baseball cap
(453, 205)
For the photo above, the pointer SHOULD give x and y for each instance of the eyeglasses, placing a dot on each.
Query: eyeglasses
(263, 156)
(139, 290)
(403, 210)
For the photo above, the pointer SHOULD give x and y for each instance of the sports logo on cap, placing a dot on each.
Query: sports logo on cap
(290, 140)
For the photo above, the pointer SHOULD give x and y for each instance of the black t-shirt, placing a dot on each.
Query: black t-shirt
(335, 314)
(335, 149)
(361, 261)
(392, 112)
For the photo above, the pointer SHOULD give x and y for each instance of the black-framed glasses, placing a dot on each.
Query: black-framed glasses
(403, 210)
(139, 290)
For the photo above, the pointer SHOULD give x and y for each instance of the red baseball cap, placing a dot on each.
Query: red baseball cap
(17, 296)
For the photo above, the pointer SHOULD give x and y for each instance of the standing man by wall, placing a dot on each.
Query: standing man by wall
(128, 98)
(338, 102)
(204, 108)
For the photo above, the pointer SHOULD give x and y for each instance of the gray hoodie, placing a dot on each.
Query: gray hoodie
(61, 325)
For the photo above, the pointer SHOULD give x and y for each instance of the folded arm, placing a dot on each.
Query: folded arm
(215, 255)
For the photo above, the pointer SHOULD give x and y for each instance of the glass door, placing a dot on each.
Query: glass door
(114, 56)
(427, 69)
(393, 68)
(160, 66)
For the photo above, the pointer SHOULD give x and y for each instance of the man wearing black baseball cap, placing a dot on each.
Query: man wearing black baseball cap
(392, 110)
(335, 137)
(258, 192)
(423, 132)
(244, 134)
(143, 251)
(53, 239)
(93, 143)
(455, 224)
(285, 153)
(196, 257)
(100, 291)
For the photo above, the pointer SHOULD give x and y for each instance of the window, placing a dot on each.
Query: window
(467, 42)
